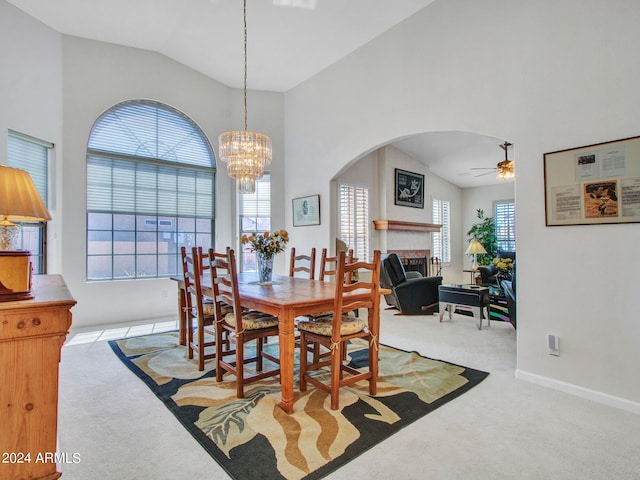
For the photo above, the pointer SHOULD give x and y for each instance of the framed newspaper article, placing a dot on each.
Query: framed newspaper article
(594, 184)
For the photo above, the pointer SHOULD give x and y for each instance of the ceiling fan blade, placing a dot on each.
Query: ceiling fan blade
(483, 174)
(482, 168)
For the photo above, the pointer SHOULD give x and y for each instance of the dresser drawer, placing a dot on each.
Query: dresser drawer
(35, 322)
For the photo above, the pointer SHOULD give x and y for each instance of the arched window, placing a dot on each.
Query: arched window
(150, 190)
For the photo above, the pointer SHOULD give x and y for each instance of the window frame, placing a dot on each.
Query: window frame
(150, 194)
(360, 230)
(441, 241)
(38, 169)
(510, 227)
(263, 205)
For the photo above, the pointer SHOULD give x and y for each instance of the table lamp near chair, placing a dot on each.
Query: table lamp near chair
(19, 202)
(474, 248)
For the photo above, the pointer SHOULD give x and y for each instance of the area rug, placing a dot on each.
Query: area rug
(254, 438)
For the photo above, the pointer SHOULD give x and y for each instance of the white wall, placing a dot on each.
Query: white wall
(99, 75)
(31, 99)
(547, 75)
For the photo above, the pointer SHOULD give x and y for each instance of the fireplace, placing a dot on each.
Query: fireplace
(414, 260)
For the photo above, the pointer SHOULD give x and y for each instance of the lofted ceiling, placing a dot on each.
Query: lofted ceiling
(465, 159)
(288, 42)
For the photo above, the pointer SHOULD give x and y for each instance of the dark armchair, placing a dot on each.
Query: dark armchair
(488, 274)
(411, 293)
(508, 287)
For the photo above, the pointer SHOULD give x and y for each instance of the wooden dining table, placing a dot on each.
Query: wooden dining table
(287, 298)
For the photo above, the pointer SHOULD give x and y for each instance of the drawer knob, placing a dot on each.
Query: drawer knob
(36, 321)
(20, 325)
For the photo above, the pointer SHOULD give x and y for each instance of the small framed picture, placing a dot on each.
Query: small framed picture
(409, 190)
(306, 211)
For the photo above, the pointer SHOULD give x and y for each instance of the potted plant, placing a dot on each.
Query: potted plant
(485, 232)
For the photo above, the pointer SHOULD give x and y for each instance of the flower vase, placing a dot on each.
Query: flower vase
(265, 267)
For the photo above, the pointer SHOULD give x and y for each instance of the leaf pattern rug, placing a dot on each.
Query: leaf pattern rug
(253, 438)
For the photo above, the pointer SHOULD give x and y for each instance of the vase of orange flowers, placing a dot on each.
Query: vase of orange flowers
(266, 245)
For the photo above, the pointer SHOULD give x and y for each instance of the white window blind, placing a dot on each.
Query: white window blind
(255, 217)
(505, 219)
(30, 154)
(441, 241)
(150, 190)
(354, 219)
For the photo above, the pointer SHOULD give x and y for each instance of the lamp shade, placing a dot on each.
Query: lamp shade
(19, 198)
(475, 247)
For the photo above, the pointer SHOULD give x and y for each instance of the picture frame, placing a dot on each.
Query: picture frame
(594, 184)
(409, 189)
(306, 211)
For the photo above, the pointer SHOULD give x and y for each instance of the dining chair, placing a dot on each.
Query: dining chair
(303, 263)
(242, 326)
(328, 265)
(197, 308)
(335, 332)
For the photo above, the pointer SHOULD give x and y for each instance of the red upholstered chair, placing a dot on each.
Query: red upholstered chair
(335, 331)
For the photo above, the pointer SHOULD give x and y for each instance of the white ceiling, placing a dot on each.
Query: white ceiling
(465, 159)
(288, 42)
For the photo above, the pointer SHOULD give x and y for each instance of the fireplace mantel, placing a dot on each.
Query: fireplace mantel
(406, 226)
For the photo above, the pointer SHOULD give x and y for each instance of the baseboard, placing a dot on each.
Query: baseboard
(593, 395)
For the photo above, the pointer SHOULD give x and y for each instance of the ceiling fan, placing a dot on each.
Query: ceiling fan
(505, 169)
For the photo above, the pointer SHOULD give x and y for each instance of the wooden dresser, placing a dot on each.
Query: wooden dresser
(31, 335)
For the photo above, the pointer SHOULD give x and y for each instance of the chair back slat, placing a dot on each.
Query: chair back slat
(192, 275)
(224, 282)
(308, 263)
(367, 291)
(328, 265)
(203, 260)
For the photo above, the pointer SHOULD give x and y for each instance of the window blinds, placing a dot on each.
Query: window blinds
(149, 129)
(505, 218)
(147, 188)
(147, 158)
(441, 241)
(32, 155)
(354, 219)
(257, 204)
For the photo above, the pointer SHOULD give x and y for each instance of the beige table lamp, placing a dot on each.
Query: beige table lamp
(19, 202)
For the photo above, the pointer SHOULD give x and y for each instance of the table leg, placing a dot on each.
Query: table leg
(477, 311)
(445, 307)
(182, 315)
(287, 350)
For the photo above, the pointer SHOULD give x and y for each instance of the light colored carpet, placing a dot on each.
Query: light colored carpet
(503, 428)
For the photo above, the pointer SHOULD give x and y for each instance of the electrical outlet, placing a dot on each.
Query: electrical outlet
(554, 345)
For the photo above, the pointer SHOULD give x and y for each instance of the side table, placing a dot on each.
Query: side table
(474, 296)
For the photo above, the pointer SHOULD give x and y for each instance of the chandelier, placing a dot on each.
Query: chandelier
(245, 153)
(506, 168)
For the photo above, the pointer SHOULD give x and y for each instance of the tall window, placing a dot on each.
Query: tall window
(255, 217)
(150, 190)
(354, 219)
(441, 241)
(505, 217)
(32, 155)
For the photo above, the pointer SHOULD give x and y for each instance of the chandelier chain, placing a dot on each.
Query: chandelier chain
(245, 65)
